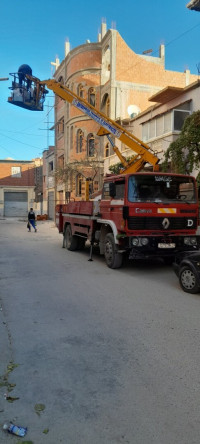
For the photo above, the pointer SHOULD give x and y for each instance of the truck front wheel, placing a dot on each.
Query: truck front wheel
(70, 241)
(112, 257)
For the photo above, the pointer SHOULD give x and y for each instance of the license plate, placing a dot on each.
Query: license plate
(172, 245)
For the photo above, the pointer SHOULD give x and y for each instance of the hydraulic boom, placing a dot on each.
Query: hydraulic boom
(33, 100)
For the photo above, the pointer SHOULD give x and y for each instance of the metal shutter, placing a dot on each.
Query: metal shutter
(15, 204)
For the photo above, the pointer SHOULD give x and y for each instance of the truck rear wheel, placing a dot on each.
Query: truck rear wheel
(80, 243)
(112, 257)
(70, 241)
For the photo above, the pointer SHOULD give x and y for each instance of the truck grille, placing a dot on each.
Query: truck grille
(155, 223)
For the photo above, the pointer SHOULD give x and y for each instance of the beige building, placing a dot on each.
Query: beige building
(161, 123)
(18, 183)
(119, 83)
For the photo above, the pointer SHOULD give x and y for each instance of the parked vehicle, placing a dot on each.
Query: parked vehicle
(187, 268)
(125, 220)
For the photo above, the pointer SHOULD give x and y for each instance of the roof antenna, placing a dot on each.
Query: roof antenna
(198, 68)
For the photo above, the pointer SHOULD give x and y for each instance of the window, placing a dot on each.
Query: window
(169, 122)
(16, 171)
(179, 118)
(79, 180)
(107, 150)
(96, 185)
(71, 137)
(91, 96)
(108, 106)
(61, 80)
(61, 161)
(106, 191)
(90, 145)
(105, 104)
(159, 126)
(119, 189)
(60, 127)
(157, 188)
(51, 166)
(79, 141)
(145, 131)
(67, 109)
(80, 90)
(152, 129)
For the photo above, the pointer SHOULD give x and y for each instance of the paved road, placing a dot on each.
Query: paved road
(112, 355)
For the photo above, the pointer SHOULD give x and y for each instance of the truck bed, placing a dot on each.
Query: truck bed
(79, 207)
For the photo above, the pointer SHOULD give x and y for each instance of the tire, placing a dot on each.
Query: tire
(80, 243)
(112, 257)
(188, 280)
(70, 242)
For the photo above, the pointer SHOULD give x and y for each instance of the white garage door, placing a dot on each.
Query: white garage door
(15, 204)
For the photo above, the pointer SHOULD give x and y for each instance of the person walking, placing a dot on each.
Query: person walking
(31, 220)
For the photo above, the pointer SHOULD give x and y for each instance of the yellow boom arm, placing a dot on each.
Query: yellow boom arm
(108, 127)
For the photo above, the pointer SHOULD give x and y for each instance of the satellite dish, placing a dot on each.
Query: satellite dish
(133, 110)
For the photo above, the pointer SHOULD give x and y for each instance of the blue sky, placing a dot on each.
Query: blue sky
(34, 33)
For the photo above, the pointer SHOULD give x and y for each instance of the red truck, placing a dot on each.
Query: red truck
(141, 214)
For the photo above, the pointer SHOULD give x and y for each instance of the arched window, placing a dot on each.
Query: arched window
(80, 90)
(108, 106)
(79, 141)
(90, 145)
(79, 181)
(71, 137)
(107, 150)
(91, 96)
(105, 104)
(61, 80)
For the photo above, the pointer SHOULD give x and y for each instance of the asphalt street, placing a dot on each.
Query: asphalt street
(91, 355)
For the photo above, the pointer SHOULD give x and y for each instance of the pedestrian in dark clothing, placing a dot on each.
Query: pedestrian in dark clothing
(31, 220)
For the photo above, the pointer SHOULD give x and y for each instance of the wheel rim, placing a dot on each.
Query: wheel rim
(188, 279)
(68, 238)
(109, 252)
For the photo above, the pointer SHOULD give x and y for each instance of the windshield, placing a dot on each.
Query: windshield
(158, 188)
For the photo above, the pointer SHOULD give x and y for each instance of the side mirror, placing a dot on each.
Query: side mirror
(112, 189)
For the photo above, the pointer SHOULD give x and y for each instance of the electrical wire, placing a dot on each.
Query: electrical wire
(23, 143)
(21, 132)
(167, 44)
(5, 149)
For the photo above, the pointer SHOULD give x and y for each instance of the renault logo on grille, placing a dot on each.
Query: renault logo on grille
(165, 223)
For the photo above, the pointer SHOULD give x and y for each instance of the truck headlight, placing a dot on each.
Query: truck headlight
(144, 241)
(190, 241)
(193, 241)
(135, 241)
